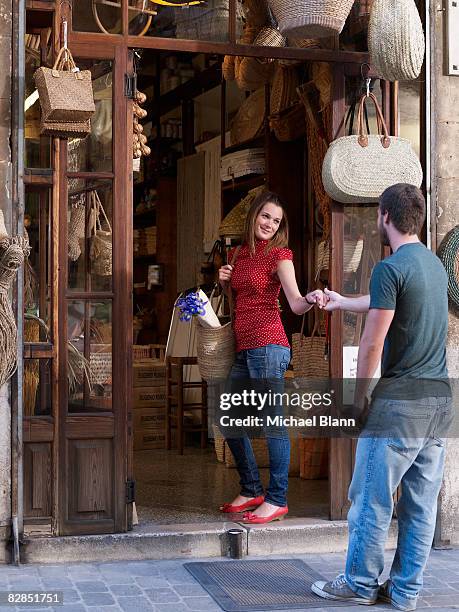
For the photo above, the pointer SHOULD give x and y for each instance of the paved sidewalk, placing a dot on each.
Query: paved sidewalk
(166, 586)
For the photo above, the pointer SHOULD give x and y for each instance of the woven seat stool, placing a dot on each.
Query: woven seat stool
(176, 387)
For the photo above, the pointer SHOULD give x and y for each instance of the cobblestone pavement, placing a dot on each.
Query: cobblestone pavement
(166, 586)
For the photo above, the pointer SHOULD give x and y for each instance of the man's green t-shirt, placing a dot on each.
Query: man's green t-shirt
(413, 283)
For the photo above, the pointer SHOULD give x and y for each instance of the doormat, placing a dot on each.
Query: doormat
(246, 586)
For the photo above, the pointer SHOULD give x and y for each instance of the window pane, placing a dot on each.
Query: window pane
(90, 356)
(207, 21)
(89, 216)
(37, 222)
(362, 250)
(410, 112)
(97, 16)
(94, 152)
(37, 148)
(37, 390)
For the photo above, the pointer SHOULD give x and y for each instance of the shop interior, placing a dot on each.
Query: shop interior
(209, 134)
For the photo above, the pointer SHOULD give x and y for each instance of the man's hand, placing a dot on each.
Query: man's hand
(333, 301)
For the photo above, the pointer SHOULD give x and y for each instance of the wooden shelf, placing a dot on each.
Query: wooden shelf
(204, 81)
(259, 141)
(244, 182)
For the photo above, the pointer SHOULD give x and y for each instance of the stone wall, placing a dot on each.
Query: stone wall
(445, 197)
(5, 205)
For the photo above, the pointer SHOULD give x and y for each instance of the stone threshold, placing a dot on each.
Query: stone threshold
(290, 536)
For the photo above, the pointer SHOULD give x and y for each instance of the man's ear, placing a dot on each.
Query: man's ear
(386, 217)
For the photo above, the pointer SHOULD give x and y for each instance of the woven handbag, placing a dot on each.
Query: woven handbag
(65, 129)
(65, 92)
(357, 169)
(309, 355)
(396, 39)
(216, 346)
(310, 18)
(101, 250)
(76, 229)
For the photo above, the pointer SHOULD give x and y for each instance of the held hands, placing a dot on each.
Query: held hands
(316, 297)
(326, 299)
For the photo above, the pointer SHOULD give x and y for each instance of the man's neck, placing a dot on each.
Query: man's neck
(397, 240)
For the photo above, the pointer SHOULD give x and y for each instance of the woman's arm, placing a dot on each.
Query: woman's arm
(298, 304)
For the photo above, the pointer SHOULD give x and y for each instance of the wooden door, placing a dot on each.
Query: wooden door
(95, 312)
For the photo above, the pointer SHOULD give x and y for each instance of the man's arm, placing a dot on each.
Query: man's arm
(370, 350)
(336, 301)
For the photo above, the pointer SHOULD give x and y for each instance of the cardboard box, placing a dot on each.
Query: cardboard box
(149, 373)
(150, 418)
(149, 439)
(147, 397)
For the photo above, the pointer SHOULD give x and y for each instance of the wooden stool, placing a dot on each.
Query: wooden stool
(176, 405)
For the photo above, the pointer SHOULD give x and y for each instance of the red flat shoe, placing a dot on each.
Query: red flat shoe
(250, 518)
(248, 505)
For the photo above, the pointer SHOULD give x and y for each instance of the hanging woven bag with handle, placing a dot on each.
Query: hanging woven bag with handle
(65, 92)
(357, 169)
(396, 39)
(101, 249)
(309, 355)
(310, 18)
(216, 345)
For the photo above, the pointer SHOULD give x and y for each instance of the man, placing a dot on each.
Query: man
(403, 440)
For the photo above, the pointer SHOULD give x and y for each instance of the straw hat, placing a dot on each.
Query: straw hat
(3, 232)
(233, 225)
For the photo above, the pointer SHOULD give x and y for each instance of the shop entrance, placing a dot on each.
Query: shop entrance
(102, 425)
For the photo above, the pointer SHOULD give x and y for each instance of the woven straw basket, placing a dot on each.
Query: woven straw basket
(290, 123)
(449, 255)
(65, 93)
(396, 39)
(269, 36)
(215, 351)
(233, 225)
(310, 18)
(65, 129)
(357, 169)
(248, 122)
(283, 90)
(353, 250)
(228, 68)
(252, 73)
(308, 354)
(256, 12)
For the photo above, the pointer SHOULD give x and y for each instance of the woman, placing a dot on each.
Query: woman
(260, 267)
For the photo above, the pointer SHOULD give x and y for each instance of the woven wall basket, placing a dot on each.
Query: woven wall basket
(233, 225)
(396, 39)
(310, 18)
(290, 123)
(270, 36)
(256, 12)
(252, 73)
(66, 129)
(449, 255)
(283, 90)
(248, 122)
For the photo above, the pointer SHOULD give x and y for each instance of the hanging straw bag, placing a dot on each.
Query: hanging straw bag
(100, 251)
(216, 345)
(309, 355)
(290, 123)
(65, 92)
(76, 229)
(357, 169)
(396, 39)
(310, 18)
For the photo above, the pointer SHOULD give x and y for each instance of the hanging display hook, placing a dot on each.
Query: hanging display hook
(367, 84)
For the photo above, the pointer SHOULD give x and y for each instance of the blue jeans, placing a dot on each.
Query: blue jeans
(381, 464)
(268, 364)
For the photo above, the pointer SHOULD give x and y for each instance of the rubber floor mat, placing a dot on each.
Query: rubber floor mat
(246, 586)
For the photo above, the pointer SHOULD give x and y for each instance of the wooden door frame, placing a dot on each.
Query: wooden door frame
(121, 177)
(342, 449)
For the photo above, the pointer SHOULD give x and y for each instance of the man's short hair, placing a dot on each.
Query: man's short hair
(406, 207)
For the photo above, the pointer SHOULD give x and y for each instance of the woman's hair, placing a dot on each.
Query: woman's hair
(280, 238)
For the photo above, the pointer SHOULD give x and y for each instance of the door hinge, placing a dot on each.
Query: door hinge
(130, 85)
(130, 491)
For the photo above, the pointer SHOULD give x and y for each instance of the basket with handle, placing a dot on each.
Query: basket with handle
(309, 355)
(101, 240)
(65, 92)
(310, 18)
(216, 345)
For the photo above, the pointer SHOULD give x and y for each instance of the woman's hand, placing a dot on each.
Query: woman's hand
(224, 275)
(316, 297)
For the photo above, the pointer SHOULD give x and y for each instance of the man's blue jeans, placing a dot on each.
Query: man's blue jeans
(384, 460)
(266, 365)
